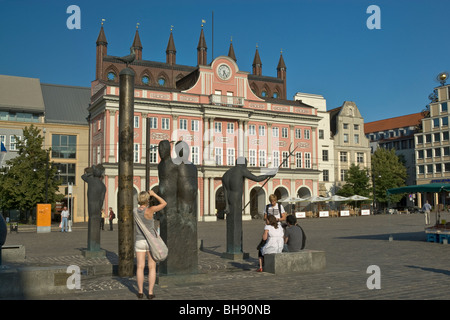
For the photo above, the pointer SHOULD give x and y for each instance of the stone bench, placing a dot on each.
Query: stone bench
(292, 262)
(13, 253)
(33, 282)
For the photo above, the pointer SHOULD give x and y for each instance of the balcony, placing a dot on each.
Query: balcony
(229, 101)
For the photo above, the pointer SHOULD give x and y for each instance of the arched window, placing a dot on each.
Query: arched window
(111, 76)
(161, 81)
(145, 80)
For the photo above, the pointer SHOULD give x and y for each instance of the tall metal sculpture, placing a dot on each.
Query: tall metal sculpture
(95, 195)
(233, 185)
(125, 194)
(178, 185)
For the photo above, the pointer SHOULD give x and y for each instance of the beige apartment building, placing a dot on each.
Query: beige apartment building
(433, 144)
(60, 113)
(350, 143)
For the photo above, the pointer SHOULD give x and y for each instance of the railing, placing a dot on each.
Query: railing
(226, 100)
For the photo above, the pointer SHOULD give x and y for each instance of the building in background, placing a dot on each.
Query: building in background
(221, 111)
(325, 152)
(432, 144)
(397, 133)
(59, 112)
(66, 131)
(350, 143)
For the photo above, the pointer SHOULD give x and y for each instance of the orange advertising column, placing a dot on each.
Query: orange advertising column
(43, 217)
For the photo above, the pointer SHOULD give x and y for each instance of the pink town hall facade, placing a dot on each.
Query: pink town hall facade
(220, 111)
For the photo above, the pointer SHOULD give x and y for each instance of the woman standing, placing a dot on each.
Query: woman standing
(142, 249)
(273, 233)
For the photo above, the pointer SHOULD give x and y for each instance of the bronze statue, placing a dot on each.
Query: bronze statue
(95, 195)
(178, 187)
(233, 185)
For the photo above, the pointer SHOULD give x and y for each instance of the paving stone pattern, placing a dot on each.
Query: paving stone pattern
(410, 268)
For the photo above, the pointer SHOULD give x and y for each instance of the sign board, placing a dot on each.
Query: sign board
(365, 212)
(324, 214)
(345, 213)
(44, 217)
(300, 214)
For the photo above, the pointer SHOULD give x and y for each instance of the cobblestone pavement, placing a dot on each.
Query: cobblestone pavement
(410, 267)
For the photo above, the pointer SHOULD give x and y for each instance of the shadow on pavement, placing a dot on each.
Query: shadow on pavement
(406, 236)
(444, 272)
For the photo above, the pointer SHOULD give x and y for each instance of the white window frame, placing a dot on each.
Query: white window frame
(218, 127)
(153, 153)
(298, 159)
(285, 155)
(262, 158)
(218, 156)
(308, 160)
(275, 159)
(136, 153)
(183, 124)
(195, 155)
(262, 130)
(230, 128)
(252, 158)
(153, 123)
(231, 159)
(275, 132)
(165, 123)
(307, 134)
(13, 142)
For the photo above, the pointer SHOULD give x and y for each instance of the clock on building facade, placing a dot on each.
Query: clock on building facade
(224, 71)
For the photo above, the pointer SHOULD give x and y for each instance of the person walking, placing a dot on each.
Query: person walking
(146, 213)
(426, 209)
(111, 217)
(64, 219)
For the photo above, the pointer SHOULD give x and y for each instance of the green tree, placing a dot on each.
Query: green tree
(30, 178)
(356, 182)
(388, 171)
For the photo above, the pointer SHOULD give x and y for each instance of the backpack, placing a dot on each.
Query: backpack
(267, 208)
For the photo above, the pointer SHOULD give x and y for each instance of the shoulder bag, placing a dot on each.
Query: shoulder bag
(158, 248)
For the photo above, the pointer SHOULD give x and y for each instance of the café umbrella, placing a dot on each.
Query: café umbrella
(292, 200)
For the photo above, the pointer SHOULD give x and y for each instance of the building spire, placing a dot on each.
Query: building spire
(281, 74)
(170, 50)
(101, 39)
(137, 45)
(257, 65)
(101, 51)
(281, 64)
(201, 48)
(231, 51)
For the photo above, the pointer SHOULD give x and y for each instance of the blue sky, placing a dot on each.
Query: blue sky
(326, 44)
